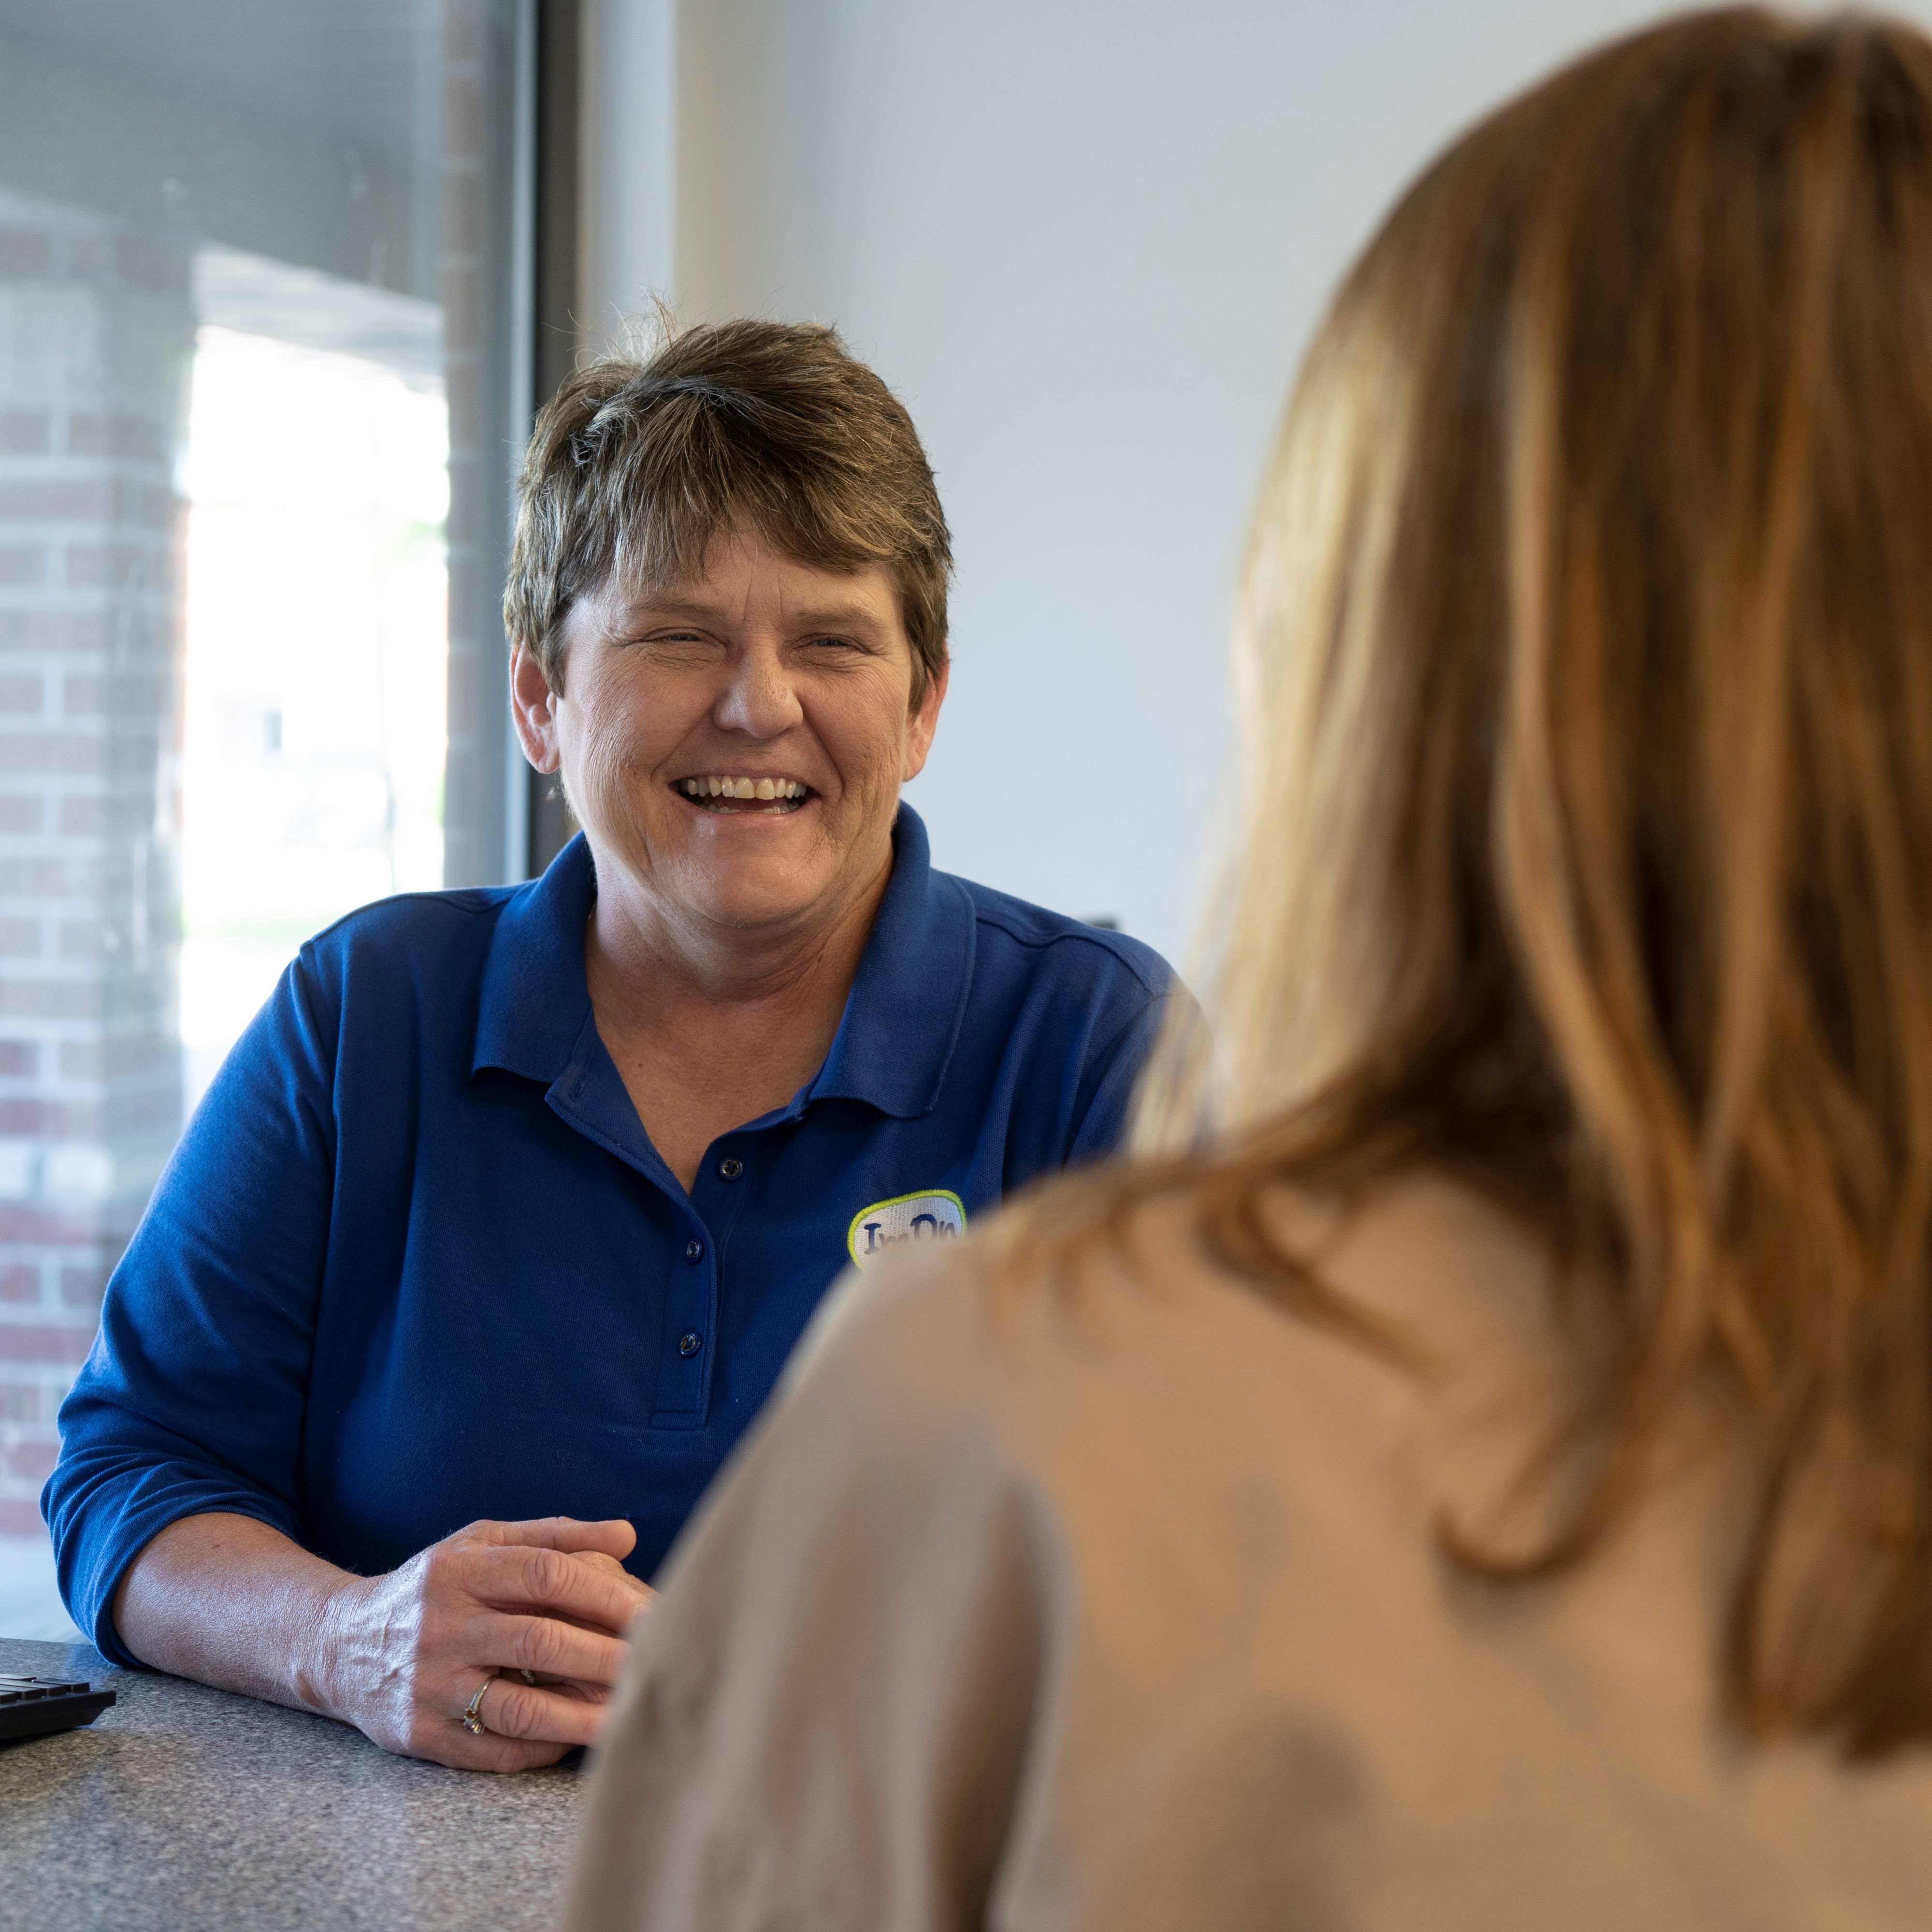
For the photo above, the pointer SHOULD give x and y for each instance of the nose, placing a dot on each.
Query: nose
(759, 701)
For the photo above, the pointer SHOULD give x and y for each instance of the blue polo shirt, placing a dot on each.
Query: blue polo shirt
(414, 1261)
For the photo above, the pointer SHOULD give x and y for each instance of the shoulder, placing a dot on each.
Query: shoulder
(1051, 944)
(378, 974)
(463, 915)
(421, 932)
(935, 1331)
(1062, 1356)
(896, 1307)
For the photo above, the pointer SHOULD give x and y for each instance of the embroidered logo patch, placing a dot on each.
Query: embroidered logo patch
(935, 1216)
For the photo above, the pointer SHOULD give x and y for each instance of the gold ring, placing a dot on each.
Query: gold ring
(472, 1722)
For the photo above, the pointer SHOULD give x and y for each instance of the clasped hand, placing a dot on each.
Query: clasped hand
(551, 1598)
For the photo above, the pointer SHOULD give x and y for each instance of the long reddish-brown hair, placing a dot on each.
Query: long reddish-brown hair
(1587, 665)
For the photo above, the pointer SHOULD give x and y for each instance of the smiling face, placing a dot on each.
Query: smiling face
(734, 745)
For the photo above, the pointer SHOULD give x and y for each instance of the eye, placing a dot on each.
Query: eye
(677, 642)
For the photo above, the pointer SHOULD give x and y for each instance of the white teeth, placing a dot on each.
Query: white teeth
(768, 789)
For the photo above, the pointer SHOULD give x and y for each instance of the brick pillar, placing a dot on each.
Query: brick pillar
(97, 332)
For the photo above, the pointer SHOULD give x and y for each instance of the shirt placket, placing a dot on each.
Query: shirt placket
(693, 1297)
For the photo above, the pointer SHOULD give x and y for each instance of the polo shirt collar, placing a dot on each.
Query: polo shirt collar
(902, 1017)
(534, 998)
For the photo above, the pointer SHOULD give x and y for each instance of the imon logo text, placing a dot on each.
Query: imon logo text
(935, 1216)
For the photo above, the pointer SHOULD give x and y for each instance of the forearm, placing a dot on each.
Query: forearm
(407, 1657)
(230, 1601)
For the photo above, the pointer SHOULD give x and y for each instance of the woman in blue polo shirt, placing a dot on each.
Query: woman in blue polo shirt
(509, 1206)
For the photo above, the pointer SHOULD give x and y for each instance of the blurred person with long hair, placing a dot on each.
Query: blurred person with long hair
(1483, 1476)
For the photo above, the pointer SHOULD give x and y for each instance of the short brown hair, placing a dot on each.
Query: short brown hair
(636, 463)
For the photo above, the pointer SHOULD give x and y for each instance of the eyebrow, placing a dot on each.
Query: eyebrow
(824, 617)
(835, 616)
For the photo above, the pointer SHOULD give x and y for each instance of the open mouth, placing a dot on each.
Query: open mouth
(775, 798)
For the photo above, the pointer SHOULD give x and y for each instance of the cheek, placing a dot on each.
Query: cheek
(867, 741)
(607, 744)
(603, 758)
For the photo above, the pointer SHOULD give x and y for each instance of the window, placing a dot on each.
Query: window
(263, 265)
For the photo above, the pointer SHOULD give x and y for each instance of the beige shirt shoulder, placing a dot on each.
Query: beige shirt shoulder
(1115, 1604)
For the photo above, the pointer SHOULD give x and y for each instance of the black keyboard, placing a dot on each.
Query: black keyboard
(31, 1705)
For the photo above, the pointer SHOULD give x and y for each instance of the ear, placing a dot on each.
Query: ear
(924, 722)
(533, 708)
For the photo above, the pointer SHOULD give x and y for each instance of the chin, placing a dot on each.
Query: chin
(744, 911)
(754, 895)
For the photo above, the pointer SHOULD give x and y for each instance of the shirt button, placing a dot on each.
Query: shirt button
(688, 1345)
(729, 1170)
(694, 1251)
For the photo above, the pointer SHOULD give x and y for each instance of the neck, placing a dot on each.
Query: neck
(639, 953)
(711, 1028)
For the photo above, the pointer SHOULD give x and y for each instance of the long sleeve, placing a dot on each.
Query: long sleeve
(192, 1398)
(825, 1724)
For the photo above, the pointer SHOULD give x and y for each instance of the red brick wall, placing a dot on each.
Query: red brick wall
(96, 342)
(96, 333)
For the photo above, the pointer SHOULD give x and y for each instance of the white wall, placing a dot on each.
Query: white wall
(1085, 241)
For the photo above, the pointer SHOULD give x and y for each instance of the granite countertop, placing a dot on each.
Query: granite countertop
(183, 1809)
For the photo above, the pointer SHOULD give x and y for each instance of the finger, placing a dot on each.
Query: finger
(572, 1687)
(556, 1585)
(544, 1648)
(440, 1740)
(640, 1593)
(575, 1686)
(506, 1755)
(514, 1710)
(612, 1537)
(612, 1567)
(503, 1755)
